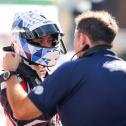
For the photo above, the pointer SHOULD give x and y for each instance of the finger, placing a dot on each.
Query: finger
(6, 54)
(16, 56)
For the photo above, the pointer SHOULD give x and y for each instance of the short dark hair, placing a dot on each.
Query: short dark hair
(98, 26)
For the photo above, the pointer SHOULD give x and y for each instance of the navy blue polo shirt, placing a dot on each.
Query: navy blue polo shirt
(101, 99)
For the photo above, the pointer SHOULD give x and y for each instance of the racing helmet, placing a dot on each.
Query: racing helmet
(30, 25)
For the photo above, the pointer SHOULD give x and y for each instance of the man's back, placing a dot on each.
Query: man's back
(100, 100)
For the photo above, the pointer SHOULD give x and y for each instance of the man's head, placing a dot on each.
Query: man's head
(36, 38)
(94, 28)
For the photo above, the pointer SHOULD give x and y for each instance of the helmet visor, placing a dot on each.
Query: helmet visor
(42, 31)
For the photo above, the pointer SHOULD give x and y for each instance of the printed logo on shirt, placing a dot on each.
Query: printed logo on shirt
(38, 90)
(115, 66)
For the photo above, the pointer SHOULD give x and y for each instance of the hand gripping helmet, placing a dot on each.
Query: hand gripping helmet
(31, 25)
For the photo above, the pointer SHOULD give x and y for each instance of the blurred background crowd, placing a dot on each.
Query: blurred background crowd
(63, 11)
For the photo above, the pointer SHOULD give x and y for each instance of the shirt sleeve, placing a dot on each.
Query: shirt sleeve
(53, 89)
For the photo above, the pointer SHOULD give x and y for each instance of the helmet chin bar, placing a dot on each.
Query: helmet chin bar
(33, 63)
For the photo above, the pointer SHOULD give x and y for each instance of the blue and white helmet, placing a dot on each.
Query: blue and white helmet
(31, 25)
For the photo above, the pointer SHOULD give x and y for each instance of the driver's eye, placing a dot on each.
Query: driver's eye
(44, 41)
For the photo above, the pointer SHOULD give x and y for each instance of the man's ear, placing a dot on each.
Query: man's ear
(84, 39)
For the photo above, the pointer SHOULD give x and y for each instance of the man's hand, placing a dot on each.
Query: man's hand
(10, 61)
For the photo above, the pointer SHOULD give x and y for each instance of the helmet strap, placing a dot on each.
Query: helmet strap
(64, 50)
(8, 49)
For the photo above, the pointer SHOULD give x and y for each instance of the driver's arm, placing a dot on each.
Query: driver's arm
(21, 105)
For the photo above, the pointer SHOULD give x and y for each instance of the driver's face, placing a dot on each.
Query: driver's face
(44, 40)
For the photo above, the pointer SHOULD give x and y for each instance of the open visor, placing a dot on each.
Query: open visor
(42, 31)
